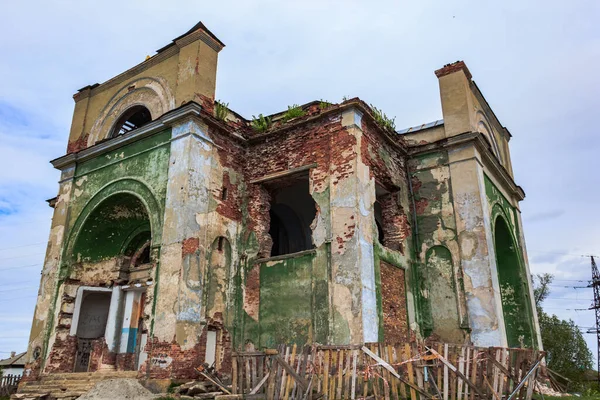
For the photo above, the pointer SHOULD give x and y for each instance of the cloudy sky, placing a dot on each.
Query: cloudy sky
(535, 61)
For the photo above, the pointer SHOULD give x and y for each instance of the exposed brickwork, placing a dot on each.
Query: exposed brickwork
(454, 67)
(98, 348)
(393, 304)
(125, 361)
(77, 145)
(189, 246)
(421, 206)
(231, 206)
(385, 161)
(207, 103)
(169, 360)
(395, 225)
(62, 355)
(258, 211)
(252, 292)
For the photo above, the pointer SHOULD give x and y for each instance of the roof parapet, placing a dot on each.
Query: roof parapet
(453, 67)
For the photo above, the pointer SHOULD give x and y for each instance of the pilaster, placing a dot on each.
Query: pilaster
(180, 295)
(478, 261)
(353, 287)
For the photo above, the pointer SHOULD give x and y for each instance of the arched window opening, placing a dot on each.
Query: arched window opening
(142, 256)
(513, 288)
(379, 220)
(292, 211)
(133, 118)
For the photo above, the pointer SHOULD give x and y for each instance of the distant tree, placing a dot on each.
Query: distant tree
(567, 350)
(541, 288)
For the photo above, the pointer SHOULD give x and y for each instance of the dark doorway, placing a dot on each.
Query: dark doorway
(292, 212)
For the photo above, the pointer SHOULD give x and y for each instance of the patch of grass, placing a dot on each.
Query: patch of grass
(172, 386)
(323, 104)
(221, 110)
(260, 124)
(383, 120)
(292, 112)
(165, 398)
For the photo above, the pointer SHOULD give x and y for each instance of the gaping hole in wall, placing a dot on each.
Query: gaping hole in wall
(93, 317)
(388, 217)
(292, 212)
(138, 249)
(513, 287)
(135, 117)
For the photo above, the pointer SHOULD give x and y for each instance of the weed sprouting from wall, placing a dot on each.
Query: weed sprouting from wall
(261, 123)
(382, 119)
(324, 104)
(292, 112)
(221, 110)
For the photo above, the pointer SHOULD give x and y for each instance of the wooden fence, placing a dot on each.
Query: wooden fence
(8, 384)
(380, 371)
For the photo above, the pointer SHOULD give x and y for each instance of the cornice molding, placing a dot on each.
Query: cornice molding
(203, 36)
(167, 120)
(488, 158)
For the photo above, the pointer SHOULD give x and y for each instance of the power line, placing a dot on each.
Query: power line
(22, 256)
(20, 282)
(571, 287)
(25, 245)
(561, 254)
(22, 266)
(18, 298)
(21, 288)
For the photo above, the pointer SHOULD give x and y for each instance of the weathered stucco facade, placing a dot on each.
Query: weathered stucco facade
(182, 231)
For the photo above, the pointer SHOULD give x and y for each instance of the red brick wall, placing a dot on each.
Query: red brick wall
(393, 304)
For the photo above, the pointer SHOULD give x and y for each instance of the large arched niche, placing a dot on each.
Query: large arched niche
(442, 294)
(218, 275)
(108, 229)
(150, 92)
(513, 286)
(122, 215)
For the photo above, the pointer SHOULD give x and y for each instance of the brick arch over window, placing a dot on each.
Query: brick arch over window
(152, 93)
(128, 187)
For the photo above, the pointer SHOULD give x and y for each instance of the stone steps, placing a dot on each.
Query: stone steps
(69, 385)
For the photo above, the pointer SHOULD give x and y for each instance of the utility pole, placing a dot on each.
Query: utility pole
(596, 307)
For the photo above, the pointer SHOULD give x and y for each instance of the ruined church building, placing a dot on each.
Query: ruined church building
(183, 231)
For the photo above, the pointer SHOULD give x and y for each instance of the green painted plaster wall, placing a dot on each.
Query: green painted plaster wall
(435, 228)
(139, 169)
(512, 276)
(293, 305)
(110, 228)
